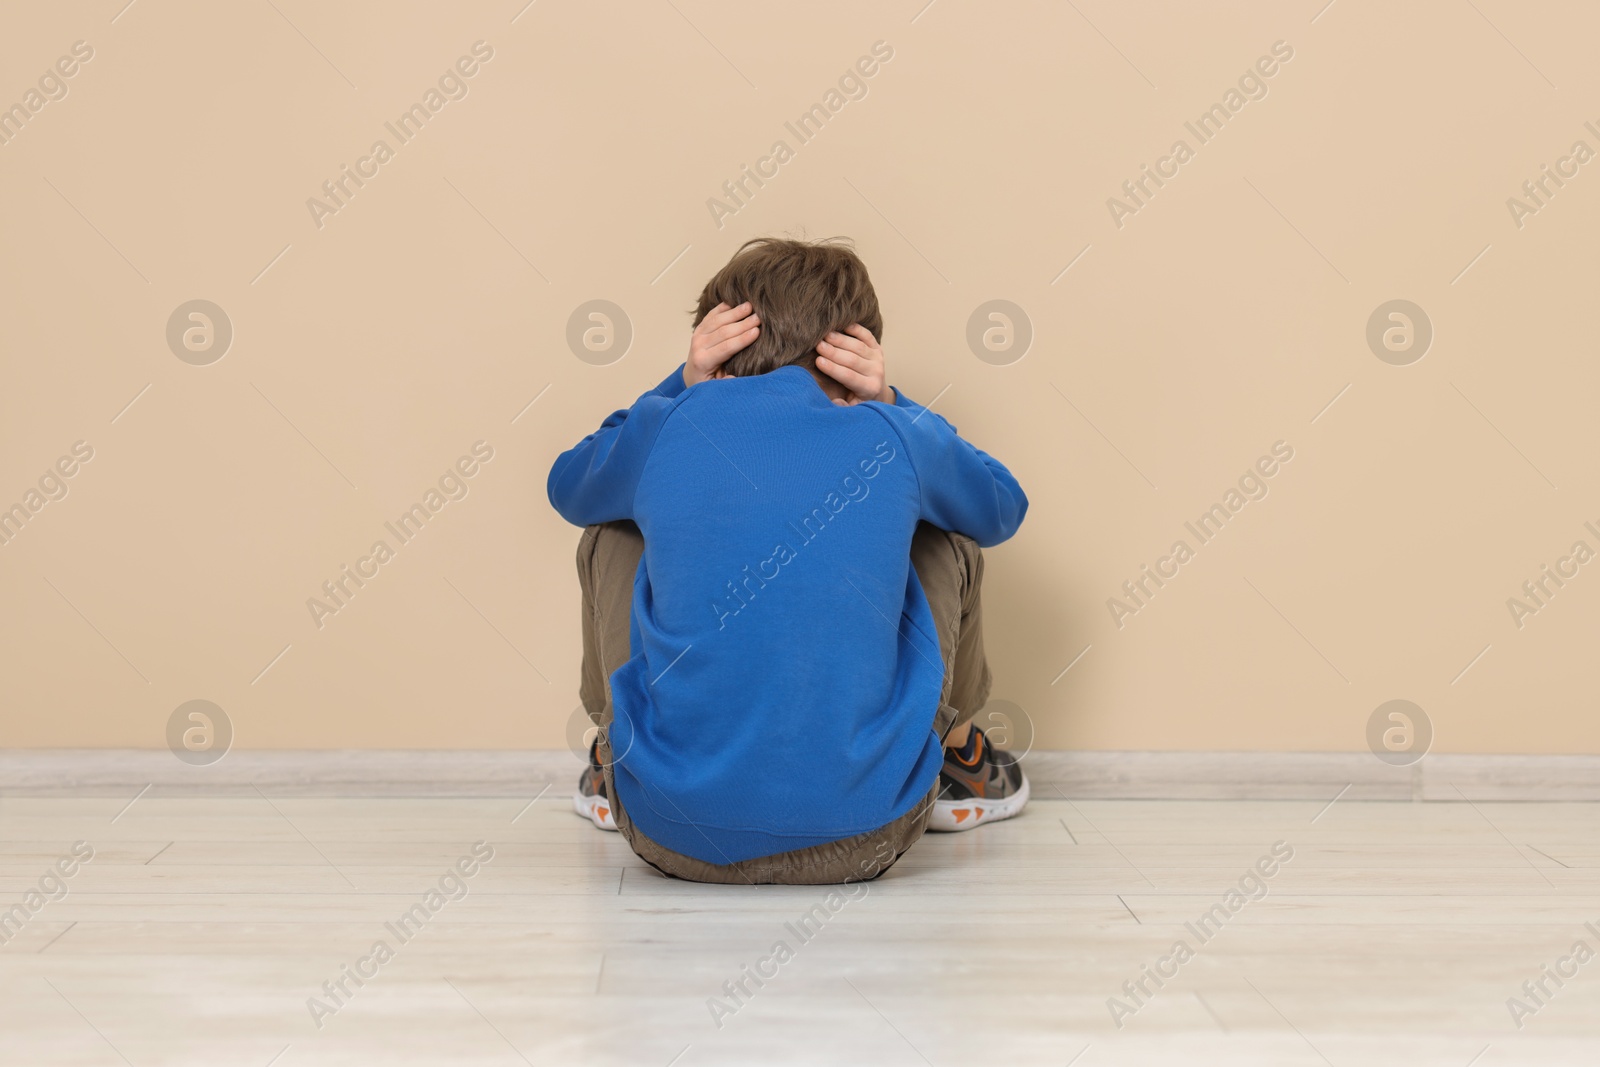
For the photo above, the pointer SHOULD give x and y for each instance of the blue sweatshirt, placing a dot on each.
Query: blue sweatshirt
(785, 668)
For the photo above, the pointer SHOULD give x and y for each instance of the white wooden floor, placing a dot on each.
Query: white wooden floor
(202, 926)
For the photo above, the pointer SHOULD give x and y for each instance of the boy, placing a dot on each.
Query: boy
(780, 572)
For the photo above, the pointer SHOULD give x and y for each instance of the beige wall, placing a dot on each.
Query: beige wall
(1221, 317)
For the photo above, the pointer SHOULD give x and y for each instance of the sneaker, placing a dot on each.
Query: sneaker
(978, 785)
(590, 800)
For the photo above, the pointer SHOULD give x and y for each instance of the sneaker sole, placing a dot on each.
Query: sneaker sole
(596, 809)
(953, 816)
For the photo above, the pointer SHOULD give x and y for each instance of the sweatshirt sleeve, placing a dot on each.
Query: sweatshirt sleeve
(963, 489)
(595, 480)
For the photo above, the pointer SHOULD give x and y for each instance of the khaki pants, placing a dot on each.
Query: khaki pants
(950, 568)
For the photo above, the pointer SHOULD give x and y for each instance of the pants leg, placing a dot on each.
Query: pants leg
(950, 568)
(608, 558)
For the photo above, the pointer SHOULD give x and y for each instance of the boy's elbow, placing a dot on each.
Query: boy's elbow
(1019, 511)
(552, 489)
(572, 510)
(562, 494)
(1011, 509)
(560, 506)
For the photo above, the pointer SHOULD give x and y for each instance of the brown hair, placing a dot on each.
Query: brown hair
(801, 290)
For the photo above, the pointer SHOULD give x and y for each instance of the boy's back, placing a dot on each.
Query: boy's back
(785, 671)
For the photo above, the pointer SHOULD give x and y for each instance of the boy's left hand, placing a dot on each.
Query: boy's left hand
(854, 359)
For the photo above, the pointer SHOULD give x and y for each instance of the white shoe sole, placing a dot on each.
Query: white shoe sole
(596, 809)
(952, 816)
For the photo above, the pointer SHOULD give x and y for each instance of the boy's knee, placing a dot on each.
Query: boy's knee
(604, 541)
(971, 560)
(954, 557)
(587, 545)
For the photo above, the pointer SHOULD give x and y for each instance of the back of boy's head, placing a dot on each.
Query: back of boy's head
(801, 290)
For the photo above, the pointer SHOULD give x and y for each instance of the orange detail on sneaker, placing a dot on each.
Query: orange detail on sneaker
(977, 753)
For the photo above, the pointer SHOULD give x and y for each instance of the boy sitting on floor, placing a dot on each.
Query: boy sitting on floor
(782, 640)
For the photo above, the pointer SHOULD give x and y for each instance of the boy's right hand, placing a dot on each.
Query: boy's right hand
(721, 333)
